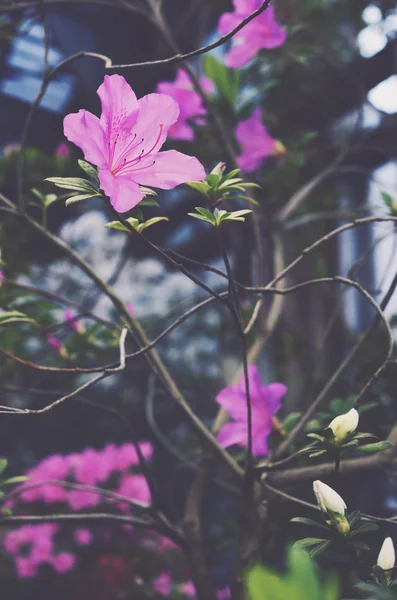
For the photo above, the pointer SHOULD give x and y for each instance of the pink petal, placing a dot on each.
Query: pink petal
(157, 112)
(181, 131)
(241, 53)
(233, 433)
(273, 394)
(255, 382)
(124, 193)
(259, 443)
(168, 169)
(228, 22)
(119, 104)
(232, 399)
(84, 130)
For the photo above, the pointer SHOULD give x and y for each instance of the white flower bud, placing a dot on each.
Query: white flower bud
(328, 500)
(387, 557)
(342, 425)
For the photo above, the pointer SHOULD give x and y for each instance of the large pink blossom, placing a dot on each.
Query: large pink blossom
(261, 32)
(125, 143)
(191, 108)
(256, 143)
(265, 402)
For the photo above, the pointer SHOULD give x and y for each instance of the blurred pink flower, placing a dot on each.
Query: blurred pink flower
(83, 537)
(62, 150)
(125, 143)
(79, 499)
(57, 346)
(134, 487)
(73, 321)
(256, 143)
(190, 103)
(261, 32)
(11, 149)
(131, 308)
(188, 589)
(223, 594)
(265, 402)
(163, 584)
(63, 562)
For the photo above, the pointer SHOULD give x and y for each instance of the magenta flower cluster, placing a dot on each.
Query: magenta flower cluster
(33, 545)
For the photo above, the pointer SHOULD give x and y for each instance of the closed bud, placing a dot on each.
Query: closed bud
(333, 505)
(343, 425)
(387, 557)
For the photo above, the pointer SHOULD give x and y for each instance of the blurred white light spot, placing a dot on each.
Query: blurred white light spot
(371, 40)
(391, 24)
(372, 14)
(384, 95)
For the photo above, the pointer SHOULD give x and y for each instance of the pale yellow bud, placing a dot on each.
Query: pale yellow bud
(387, 556)
(343, 425)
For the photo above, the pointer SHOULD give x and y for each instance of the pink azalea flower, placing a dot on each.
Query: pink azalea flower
(261, 32)
(63, 562)
(163, 584)
(265, 402)
(223, 594)
(79, 499)
(10, 149)
(62, 150)
(190, 103)
(83, 537)
(73, 323)
(188, 589)
(256, 143)
(125, 143)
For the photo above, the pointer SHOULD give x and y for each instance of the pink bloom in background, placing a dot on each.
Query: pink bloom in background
(125, 143)
(265, 402)
(62, 150)
(63, 562)
(261, 32)
(57, 346)
(32, 545)
(256, 143)
(131, 308)
(188, 589)
(12, 148)
(223, 594)
(2, 277)
(190, 103)
(83, 537)
(74, 322)
(163, 584)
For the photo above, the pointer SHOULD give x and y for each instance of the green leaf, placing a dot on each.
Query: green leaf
(7, 512)
(376, 447)
(3, 464)
(310, 522)
(17, 479)
(74, 199)
(227, 82)
(365, 528)
(201, 218)
(205, 212)
(14, 316)
(212, 180)
(316, 436)
(148, 192)
(73, 183)
(200, 186)
(149, 201)
(320, 548)
(116, 225)
(309, 542)
(89, 169)
(318, 453)
(150, 222)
